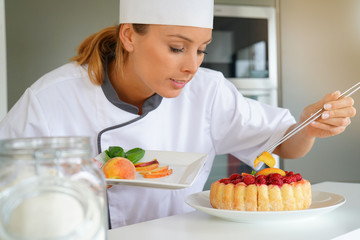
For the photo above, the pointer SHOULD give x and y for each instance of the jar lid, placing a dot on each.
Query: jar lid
(50, 146)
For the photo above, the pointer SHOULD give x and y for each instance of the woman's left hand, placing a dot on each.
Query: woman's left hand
(335, 117)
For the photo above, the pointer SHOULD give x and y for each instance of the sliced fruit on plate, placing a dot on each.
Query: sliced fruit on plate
(267, 158)
(156, 170)
(267, 171)
(146, 166)
(157, 174)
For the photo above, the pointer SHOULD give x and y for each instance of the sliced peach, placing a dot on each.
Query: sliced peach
(267, 158)
(158, 174)
(156, 170)
(119, 168)
(267, 171)
(147, 167)
(144, 164)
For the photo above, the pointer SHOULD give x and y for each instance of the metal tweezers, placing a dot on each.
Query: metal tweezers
(312, 118)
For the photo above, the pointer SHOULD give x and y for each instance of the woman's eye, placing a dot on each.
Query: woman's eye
(180, 50)
(202, 52)
(176, 50)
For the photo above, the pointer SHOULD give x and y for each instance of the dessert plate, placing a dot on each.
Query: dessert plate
(186, 167)
(322, 202)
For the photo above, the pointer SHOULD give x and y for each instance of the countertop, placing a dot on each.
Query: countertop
(198, 225)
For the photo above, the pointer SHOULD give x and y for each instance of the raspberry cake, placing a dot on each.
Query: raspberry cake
(270, 192)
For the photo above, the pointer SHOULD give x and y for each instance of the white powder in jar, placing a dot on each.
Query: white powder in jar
(52, 207)
(47, 215)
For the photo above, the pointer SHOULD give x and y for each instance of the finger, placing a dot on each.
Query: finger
(340, 103)
(339, 113)
(335, 122)
(330, 97)
(327, 130)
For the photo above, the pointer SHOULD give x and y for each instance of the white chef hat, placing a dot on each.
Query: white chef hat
(195, 13)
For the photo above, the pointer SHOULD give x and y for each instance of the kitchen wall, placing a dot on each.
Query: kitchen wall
(320, 53)
(3, 81)
(42, 35)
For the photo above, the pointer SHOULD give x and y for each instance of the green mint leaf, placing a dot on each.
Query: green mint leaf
(135, 154)
(116, 152)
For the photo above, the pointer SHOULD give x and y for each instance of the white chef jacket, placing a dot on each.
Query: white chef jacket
(209, 116)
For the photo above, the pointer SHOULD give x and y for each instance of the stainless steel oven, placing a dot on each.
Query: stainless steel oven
(244, 49)
(244, 45)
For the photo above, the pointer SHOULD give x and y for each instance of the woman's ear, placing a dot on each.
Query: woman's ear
(126, 35)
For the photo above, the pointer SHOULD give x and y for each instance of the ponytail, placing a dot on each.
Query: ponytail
(99, 47)
(95, 49)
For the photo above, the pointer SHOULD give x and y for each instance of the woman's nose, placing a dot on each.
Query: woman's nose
(191, 63)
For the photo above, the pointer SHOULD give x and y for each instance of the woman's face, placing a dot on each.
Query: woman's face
(166, 58)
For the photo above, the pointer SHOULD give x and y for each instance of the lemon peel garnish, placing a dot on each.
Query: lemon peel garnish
(265, 157)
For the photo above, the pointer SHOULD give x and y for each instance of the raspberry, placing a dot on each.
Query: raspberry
(277, 181)
(289, 173)
(298, 177)
(277, 175)
(235, 176)
(236, 181)
(225, 181)
(249, 179)
(274, 176)
(261, 179)
(289, 179)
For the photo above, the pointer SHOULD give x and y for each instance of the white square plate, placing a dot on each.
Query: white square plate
(186, 167)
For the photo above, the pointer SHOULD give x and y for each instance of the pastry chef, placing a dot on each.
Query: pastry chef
(139, 84)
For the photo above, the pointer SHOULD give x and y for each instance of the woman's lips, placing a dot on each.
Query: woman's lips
(178, 83)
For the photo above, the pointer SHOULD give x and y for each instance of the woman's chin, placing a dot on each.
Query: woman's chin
(170, 94)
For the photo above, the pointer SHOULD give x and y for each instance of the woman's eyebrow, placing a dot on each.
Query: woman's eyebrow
(186, 38)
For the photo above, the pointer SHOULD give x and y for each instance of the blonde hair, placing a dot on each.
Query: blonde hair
(103, 45)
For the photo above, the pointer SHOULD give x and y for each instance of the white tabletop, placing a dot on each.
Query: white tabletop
(198, 225)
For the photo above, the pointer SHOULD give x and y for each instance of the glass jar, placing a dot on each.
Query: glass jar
(51, 189)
